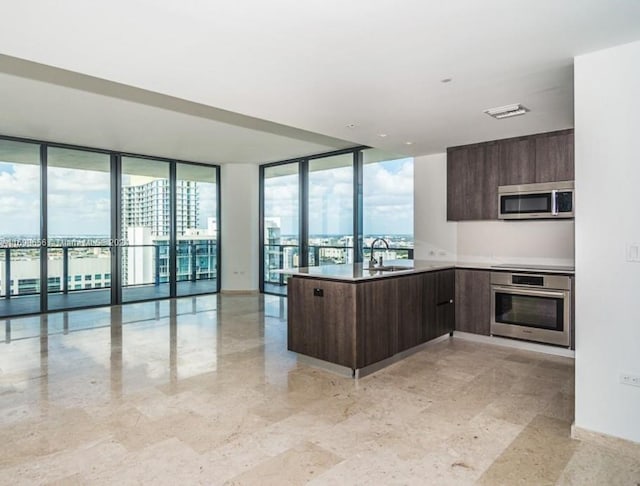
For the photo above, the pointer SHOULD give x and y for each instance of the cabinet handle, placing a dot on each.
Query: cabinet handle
(445, 302)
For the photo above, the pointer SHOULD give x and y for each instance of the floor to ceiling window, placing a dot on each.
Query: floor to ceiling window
(78, 228)
(102, 228)
(387, 203)
(280, 221)
(197, 229)
(145, 210)
(19, 227)
(328, 208)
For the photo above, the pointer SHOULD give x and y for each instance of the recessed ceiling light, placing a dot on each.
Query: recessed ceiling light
(506, 111)
(408, 143)
(382, 135)
(446, 80)
(351, 125)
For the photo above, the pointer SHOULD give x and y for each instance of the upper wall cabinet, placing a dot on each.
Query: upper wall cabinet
(472, 178)
(554, 156)
(517, 161)
(474, 172)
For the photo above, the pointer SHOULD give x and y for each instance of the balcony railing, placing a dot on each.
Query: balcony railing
(88, 267)
(200, 259)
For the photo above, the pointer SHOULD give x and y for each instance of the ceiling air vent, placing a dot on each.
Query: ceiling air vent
(506, 111)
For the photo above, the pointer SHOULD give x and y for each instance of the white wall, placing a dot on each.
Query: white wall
(239, 229)
(435, 238)
(607, 137)
(550, 242)
(537, 242)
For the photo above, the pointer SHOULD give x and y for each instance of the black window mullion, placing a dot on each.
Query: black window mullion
(358, 178)
(116, 229)
(173, 230)
(303, 194)
(261, 250)
(44, 243)
(218, 228)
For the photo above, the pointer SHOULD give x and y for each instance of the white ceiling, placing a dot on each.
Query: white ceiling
(51, 104)
(314, 65)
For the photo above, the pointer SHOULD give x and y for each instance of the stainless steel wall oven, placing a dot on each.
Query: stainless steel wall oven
(532, 307)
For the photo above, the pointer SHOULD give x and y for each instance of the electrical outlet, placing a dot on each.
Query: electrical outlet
(628, 379)
(633, 252)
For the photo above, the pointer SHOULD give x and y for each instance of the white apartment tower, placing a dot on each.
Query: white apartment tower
(146, 204)
(146, 213)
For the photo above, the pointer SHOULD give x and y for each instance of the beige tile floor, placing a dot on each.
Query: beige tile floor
(203, 391)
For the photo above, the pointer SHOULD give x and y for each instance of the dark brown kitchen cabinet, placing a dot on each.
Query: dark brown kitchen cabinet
(356, 324)
(325, 320)
(410, 310)
(376, 314)
(472, 182)
(445, 303)
(554, 156)
(517, 161)
(475, 171)
(438, 304)
(473, 301)
(429, 286)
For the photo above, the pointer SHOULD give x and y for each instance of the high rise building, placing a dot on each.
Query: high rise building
(146, 227)
(146, 204)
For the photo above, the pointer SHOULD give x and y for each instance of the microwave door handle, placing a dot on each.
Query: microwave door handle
(554, 202)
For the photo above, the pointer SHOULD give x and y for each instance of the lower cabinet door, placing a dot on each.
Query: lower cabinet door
(473, 301)
(377, 318)
(445, 302)
(410, 311)
(321, 320)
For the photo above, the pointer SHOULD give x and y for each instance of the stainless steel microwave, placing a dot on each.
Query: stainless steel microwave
(547, 200)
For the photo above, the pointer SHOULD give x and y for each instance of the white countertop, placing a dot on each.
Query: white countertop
(360, 271)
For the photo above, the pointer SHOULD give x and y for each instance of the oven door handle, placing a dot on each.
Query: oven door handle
(531, 292)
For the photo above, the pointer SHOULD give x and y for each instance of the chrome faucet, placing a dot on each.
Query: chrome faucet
(372, 261)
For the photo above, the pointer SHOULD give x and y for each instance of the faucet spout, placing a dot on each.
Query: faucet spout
(372, 261)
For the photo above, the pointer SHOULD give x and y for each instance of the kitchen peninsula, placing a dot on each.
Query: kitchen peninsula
(361, 318)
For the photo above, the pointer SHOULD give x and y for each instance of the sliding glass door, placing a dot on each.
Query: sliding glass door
(145, 210)
(78, 228)
(83, 227)
(197, 229)
(19, 228)
(330, 210)
(281, 223)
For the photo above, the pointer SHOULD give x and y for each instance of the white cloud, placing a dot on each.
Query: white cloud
(387, 193)
(23, 179)
(281, 201)
(378, 179)
(73, 180)
(388, 198)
